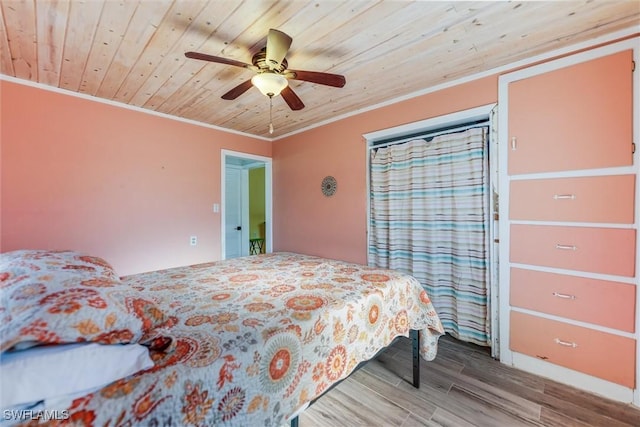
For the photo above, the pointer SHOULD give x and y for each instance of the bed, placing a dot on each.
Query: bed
(248, 341)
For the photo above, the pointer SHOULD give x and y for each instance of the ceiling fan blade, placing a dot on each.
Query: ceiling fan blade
(278, 44)
(328, 79)
(218, 59)
(238, 90)
(292, 100)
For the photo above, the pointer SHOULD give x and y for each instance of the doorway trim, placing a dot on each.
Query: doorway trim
(267, 196)
(483, 112)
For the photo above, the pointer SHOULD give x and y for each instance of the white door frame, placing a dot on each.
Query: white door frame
(459, 117)
(267, 198)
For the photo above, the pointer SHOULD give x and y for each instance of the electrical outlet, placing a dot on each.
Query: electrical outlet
(216, 207)
(193, 240)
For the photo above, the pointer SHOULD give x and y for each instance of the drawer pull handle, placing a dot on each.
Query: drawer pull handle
(513, 142)
(565, 343)
(564, 196)
(567, 247)
(563, 296)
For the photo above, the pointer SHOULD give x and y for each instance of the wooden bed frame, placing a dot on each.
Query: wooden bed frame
(415, 348)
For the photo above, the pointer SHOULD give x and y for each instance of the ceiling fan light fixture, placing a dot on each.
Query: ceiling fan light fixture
(270, 84)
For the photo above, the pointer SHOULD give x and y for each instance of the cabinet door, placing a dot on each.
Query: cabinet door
(586, 199)
(577, 117)
(601, 302)
(593, 249)
(607, 356)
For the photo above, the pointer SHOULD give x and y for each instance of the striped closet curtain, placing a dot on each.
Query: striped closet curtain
(429, 218)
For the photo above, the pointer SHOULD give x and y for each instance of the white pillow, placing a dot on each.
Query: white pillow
(49, 372)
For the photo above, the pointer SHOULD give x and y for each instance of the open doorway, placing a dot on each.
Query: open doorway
(245, 204)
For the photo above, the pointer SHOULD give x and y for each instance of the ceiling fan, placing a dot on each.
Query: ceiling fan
(272, 78)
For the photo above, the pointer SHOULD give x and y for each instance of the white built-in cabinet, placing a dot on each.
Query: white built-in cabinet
(569, 220)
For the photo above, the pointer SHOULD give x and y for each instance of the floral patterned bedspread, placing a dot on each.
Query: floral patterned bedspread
(255, 339)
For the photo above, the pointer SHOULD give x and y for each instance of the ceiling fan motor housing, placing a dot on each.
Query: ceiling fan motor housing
(260, 61)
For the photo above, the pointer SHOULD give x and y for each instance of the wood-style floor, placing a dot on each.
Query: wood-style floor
(464, 386)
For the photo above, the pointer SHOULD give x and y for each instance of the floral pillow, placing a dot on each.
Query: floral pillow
(51, 297)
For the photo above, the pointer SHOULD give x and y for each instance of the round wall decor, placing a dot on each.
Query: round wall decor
(329, 186)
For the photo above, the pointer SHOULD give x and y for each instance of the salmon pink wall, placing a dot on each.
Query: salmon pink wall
(125, 185)
(335, 227)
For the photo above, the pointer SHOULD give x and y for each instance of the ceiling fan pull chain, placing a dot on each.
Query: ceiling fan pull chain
(271, 114)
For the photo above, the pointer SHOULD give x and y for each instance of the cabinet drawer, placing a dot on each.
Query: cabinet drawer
(586, 199)
(595, 353)
(601, 302)
(576, 117)
(598, 250)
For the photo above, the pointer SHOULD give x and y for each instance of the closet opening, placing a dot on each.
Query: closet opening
(432, 213)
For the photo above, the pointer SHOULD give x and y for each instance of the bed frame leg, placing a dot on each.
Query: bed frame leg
(415, 344)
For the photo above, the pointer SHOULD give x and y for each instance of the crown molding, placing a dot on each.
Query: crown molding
(586, 45)
(627, 33)
(126, 106)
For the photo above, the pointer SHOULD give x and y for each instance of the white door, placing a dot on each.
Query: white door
(233, 212)
(235, 203)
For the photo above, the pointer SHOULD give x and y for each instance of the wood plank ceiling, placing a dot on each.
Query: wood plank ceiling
(132, 52)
